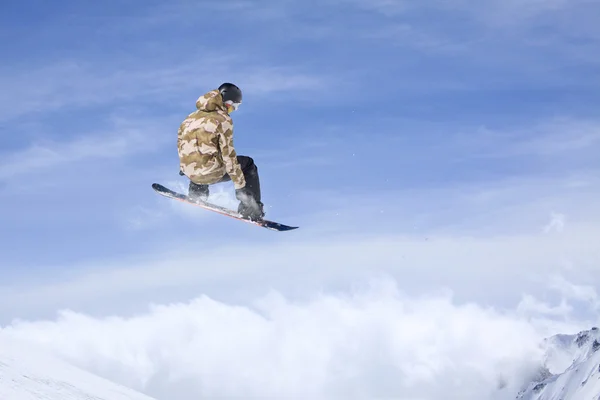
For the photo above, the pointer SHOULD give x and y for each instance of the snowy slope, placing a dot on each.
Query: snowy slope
(28, 374)
(572, 369)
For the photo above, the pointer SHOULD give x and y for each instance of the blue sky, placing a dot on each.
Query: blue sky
(445, 144)
(347, 101)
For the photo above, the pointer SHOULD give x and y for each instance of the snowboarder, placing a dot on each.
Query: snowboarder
(207, 155)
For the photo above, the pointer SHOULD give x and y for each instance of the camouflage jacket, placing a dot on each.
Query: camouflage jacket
(205, 143)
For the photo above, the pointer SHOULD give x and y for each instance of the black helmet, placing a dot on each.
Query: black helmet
(230, 92)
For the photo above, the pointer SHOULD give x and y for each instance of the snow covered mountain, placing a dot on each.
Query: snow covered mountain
(29, 374)
(571, 370)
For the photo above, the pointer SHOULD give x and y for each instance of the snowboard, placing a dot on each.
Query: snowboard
(275, 226)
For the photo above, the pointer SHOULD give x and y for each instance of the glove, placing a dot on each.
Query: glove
(248, 207)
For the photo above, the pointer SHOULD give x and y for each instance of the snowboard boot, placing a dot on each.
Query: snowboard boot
(254, 211)
(198, 192)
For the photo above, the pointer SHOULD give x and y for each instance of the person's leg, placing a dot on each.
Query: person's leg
(250, 171)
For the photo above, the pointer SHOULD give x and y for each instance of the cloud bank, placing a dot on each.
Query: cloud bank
(377, 342)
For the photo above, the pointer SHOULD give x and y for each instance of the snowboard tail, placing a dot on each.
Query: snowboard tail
(275, 226)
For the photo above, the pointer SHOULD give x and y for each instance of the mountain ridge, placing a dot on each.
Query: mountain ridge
(29, 373)
(571, 369)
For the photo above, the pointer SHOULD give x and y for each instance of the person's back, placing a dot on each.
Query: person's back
(198, 142)
(207, 154)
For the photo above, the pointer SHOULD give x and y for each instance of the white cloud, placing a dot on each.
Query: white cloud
(143, 218)
(557, 223)
(490, 11)
(558, 141)
(530, 304)
(582, 293)
(123, 137)
(373, 343)
(275, 79)
(486, 242)
(76, 85)
(502, 45)
(557, 136)
(492, 270)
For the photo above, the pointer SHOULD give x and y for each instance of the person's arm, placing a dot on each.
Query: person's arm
(229, 155)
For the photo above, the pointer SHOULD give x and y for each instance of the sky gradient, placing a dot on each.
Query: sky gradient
(439, 146)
